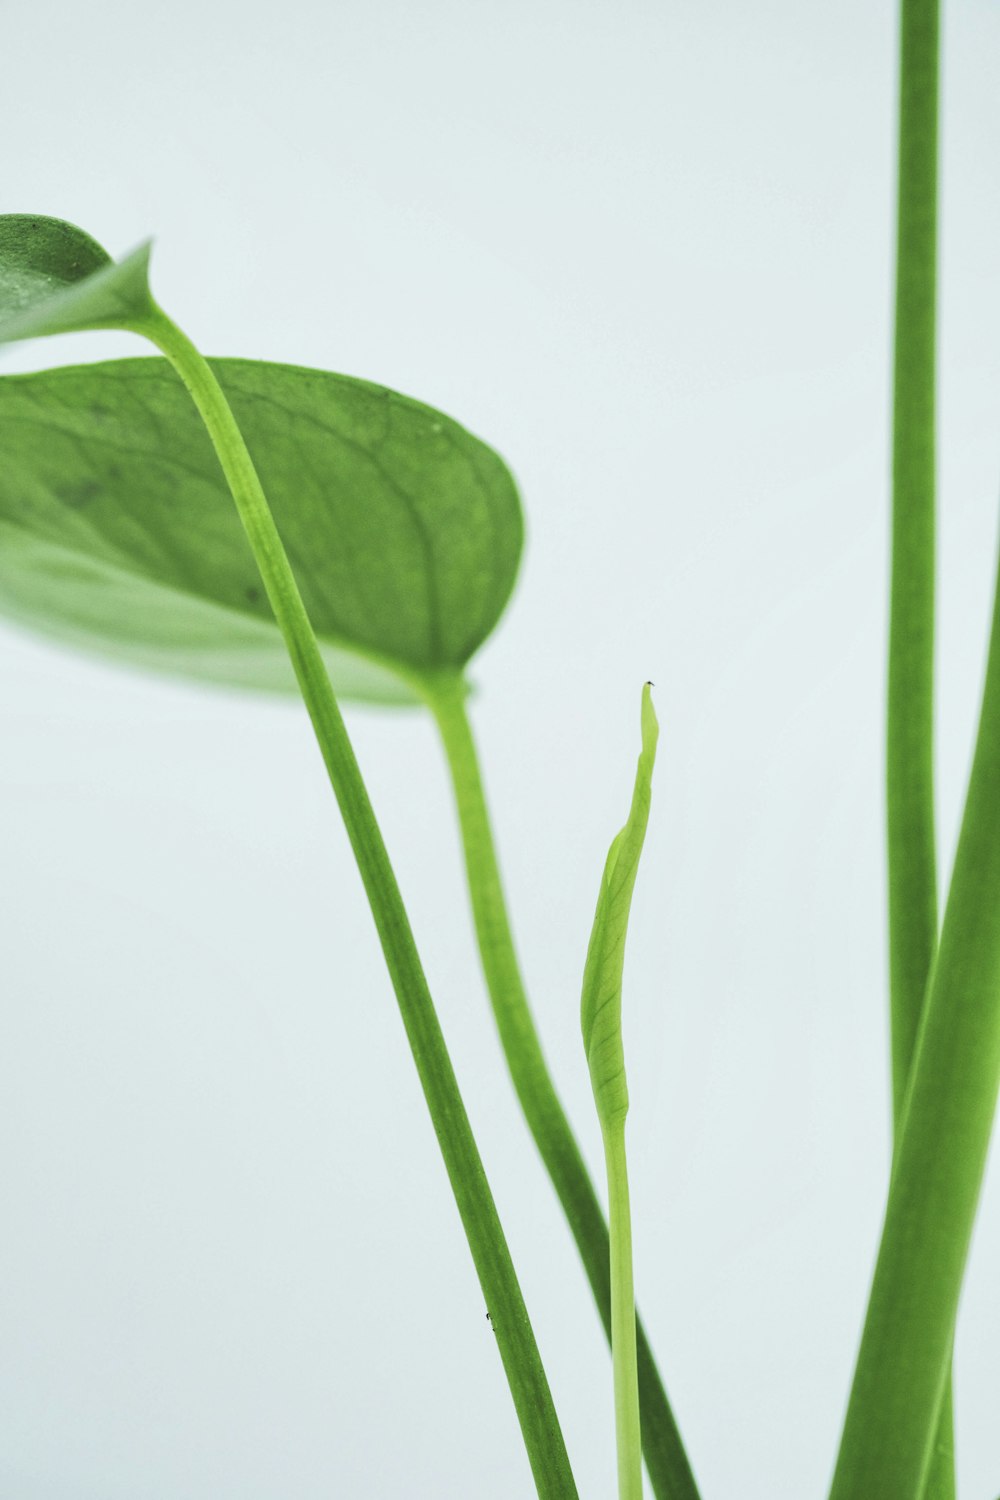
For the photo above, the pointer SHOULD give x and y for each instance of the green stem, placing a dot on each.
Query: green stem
(623, 1342)
(518, 1351)
(910, 770)
(940, 1155)
(912, 876)
(669, 1470)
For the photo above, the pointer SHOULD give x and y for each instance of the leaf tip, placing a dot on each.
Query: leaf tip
(56, 278)
(649, 722)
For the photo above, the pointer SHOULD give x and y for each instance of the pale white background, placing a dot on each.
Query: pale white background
(644, 249)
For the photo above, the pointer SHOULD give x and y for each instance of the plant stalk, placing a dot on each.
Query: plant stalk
(911, 857)
(623, 1337)
(940, 1156)
(910, 770)
(518, 1351)
(666, 1460)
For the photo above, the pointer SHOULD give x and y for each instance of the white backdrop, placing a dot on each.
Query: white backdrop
(645, 251)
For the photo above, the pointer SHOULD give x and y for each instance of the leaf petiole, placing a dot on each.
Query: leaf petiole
(623, 1346)
(518, 1350)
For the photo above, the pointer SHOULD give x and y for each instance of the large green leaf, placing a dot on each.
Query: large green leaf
(117, 532)
(55, 279)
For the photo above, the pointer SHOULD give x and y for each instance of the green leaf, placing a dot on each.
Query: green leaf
(55, 279)
(118, 534)
(601, 1006)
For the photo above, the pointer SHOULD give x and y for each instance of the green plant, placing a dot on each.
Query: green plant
(120, 535)
(397, 614)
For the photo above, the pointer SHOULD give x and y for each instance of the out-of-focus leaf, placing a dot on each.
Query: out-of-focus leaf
(117, 532)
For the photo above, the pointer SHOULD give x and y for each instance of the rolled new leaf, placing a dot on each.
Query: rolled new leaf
(601, 1018)
(601, 1007)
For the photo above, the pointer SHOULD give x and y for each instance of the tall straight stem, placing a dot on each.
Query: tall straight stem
(911, 856)
(909, 758)
(666, 1460)
(518, 1351)
(897, 1442)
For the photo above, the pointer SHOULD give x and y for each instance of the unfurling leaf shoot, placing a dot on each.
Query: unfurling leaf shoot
(601, 1006)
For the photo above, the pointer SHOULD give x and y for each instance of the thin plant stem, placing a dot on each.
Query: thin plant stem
(623, 1340)
(666, 1460)
(518, 1351)
(902, 1368)
(911, 857)
(909, 743)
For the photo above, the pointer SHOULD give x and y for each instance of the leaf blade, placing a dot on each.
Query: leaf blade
(404, 530)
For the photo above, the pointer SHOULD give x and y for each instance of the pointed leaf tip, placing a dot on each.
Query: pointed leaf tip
(55, 278)
(650, 724)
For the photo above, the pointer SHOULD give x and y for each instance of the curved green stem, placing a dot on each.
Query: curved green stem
(941, 1148)
(912, 875)
(518, 1351)
(623, 1343)
(669, 1470)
